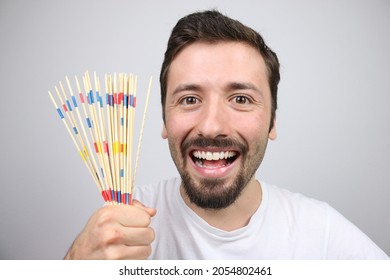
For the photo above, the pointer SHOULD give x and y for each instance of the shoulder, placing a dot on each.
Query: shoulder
(293, 204)
(305, 218)
(309, 216)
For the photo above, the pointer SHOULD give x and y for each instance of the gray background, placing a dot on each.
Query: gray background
(333, 120)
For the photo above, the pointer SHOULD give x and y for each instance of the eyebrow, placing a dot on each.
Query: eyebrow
(242, 85)
(186, 87)
(230, 87)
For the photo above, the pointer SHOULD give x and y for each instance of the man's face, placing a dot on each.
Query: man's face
(217, 119)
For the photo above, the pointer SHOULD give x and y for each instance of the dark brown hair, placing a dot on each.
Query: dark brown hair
(211, 26)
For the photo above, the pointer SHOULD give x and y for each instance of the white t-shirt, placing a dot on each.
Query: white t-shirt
(286, 226)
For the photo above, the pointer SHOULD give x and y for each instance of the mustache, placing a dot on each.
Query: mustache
(203, 142)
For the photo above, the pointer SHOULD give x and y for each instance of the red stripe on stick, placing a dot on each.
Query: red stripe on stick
(105, 147)
(96, 147)
(108, 192)
(81, 97)
(105, 197)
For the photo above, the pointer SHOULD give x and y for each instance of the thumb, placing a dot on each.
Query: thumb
(151, 211)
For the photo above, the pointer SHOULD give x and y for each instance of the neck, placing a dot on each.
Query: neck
(235, 216)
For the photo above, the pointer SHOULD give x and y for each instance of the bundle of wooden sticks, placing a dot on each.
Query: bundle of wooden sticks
(102, 130)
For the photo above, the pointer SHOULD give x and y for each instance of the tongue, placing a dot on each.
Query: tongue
(214, 163)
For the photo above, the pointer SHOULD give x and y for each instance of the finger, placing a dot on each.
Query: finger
(126, 215)
(137, 252)
(123, 252)
(138, 236)
(130, 236)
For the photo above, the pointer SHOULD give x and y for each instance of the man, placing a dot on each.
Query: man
(219, 96)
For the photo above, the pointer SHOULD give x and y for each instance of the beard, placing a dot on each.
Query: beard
(212, 193)
(218, 193)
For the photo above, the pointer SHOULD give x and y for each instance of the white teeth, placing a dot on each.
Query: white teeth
(213, 155)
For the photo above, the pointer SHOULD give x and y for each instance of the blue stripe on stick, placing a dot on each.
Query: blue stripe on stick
(60, 113)
(74, 101)
(90, 97)
(111, 100)
(126, 101)
(89, 123)
(68, 104)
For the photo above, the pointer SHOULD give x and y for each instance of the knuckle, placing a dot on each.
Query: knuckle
(104, 215)
(111, 236)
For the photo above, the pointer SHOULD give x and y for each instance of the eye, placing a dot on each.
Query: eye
(240, 99)
(189, 100)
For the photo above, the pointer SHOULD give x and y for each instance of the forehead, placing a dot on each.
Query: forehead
(218, 64)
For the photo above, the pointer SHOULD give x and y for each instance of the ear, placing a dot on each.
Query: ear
(272, 133)
(164, 133)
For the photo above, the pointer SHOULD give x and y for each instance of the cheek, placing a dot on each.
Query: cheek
(177, 126)
(171, 129)
(175, 133)
(255, 130)
(255, 124)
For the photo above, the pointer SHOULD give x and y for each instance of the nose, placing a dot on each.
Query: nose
(214, 120)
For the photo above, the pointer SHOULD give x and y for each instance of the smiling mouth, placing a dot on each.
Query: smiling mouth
(208, 159)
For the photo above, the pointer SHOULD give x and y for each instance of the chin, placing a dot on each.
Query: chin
(213, 193)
